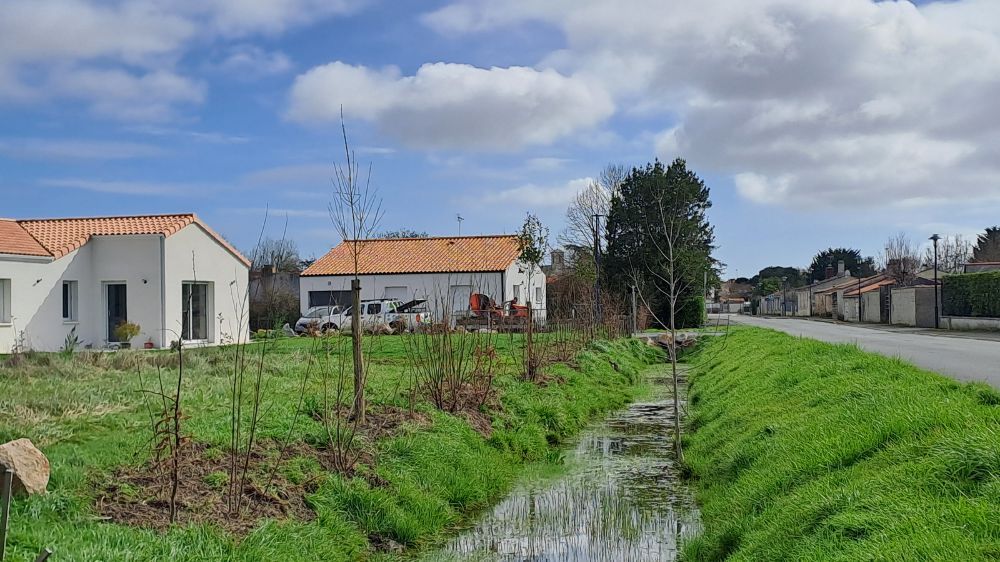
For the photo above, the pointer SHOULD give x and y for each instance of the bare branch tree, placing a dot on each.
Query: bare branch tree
(594, 200)
(900, 259)
(953, 253)
(356, 212)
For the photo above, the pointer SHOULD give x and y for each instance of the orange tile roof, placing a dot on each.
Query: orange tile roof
(420, 255)
(58, 237)
(16, 240)
(870, 287)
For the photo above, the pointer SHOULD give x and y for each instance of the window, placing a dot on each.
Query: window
(517, 292)
(5, 301)
(69, 301)
(328, 298)
(538, 296)
(195, 313)
(374, 308)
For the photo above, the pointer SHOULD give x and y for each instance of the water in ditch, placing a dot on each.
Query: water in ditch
(618, 497)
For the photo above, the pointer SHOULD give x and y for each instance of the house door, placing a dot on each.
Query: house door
(117, 311)
(194, 311)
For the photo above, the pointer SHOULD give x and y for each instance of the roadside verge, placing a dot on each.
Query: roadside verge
(804, 450)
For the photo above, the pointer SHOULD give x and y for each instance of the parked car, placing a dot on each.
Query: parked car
(392, 312)
(321, 318)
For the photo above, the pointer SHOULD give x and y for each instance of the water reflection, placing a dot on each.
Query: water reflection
(621, 498)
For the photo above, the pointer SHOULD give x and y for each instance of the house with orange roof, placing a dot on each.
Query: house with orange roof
(171, 275)
(443, 270)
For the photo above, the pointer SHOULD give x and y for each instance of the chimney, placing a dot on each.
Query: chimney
(840, 268)
(558, 259)
(829, 271)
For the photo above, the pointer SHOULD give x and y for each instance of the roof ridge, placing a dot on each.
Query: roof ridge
(467, 237)
(100, 217)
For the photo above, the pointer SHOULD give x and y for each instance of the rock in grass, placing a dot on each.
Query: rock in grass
(31, 468)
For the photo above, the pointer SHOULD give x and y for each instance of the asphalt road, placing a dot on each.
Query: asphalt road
(962, 358)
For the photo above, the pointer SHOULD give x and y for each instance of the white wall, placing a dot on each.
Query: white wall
(442, 290)
(904, 307)
(871, 307)
(36, 292)
(193, 255)
(435, 287)
(136, 261)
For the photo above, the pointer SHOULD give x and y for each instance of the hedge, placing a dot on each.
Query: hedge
(972, 294)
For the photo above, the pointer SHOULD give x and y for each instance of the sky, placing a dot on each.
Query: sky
(815, 123)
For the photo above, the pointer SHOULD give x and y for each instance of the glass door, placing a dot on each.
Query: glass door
(117, 310)
(194, 298)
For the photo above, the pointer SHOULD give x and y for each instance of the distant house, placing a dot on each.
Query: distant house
(980, 267)
(815, 299)
(170, 274)
(445, 271)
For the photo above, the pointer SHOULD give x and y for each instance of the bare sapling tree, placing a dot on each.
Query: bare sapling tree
(247, 369)
(900, 259)
(356, 213)
(595, 199)
(953, 253)
(454, 368)
(532, 242)
(668, 277)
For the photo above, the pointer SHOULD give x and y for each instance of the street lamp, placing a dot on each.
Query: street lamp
(937, 316)
(784, 295)
(859, 295)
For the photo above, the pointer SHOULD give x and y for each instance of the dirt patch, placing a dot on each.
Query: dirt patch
(138, 496)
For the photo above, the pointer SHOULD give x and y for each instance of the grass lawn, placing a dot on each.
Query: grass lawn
(804, 450)
(415, 484)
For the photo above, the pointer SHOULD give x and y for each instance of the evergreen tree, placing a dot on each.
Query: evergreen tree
(636, 235)
(852, 259)
(987, 248)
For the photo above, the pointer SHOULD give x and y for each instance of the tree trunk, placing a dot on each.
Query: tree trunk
(677, 401)
(529, 368)
(358, 413)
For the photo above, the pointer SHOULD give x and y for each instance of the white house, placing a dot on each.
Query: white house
(445, 271)
(169, 274)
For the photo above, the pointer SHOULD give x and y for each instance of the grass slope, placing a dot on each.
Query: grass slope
(806, 451)
(86, 414)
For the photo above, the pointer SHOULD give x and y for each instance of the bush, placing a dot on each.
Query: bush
(972, 294)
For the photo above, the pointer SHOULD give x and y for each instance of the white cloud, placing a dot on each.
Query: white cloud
(453, 105)
(819, 103)
(250, 61)
(531, 196)
(296, 175)
(125, 96)
(141, 188)
(66, 48)
(282, 213)
(72, 149)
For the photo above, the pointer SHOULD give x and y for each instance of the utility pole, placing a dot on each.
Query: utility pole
(635, 317)
(597, 267)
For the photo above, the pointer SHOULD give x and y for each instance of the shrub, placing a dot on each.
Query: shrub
(973, 294)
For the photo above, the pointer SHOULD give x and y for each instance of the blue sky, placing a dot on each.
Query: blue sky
(827, 123)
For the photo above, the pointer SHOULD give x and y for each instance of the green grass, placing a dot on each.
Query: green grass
(809, 451)
(86, 414)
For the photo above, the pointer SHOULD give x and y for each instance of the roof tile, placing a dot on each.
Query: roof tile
(58, 237)
(16, 240)
(420, 255)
